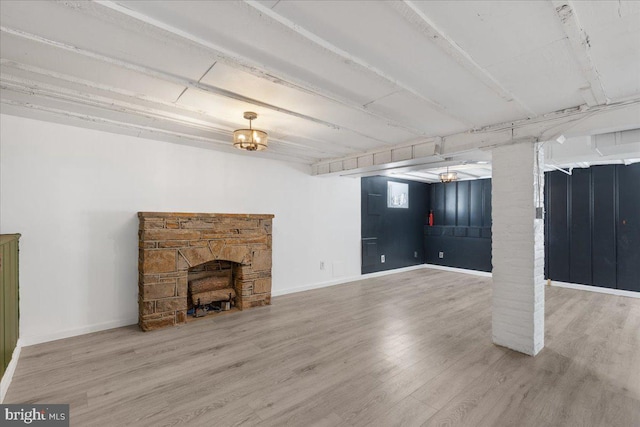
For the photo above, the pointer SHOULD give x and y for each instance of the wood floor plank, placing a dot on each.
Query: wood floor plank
(409, 412)
(317, 405)
(405, 349)
(469, 407)
(449, 383)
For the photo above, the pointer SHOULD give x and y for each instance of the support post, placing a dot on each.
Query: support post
(518, 247)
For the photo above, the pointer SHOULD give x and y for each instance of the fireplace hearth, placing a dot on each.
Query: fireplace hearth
(188, 260)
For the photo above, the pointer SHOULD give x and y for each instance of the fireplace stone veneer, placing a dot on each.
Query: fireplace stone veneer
(171, 243)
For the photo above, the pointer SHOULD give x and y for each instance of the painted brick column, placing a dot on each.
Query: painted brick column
(518, 248)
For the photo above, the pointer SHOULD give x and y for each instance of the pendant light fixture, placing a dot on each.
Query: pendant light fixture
(448, 176)
(250, 139)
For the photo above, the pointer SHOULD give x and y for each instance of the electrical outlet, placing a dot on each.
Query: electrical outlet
(440, 255)
(382, 258)
(321, 265)
(415, 254)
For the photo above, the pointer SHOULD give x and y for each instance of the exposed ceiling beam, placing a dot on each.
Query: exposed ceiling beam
(507, 133)
(78, 98)
(175, 79)
(405, 155)
(593, 94)
(143, 131)
(113, 99)
(13, 70)
(427, 27)
(463, 172)
(412, 177)
(560, 116)
(353, 60)
(569, 172)
(420, 173)
(259, 70)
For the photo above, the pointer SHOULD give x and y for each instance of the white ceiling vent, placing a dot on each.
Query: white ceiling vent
(617, 143)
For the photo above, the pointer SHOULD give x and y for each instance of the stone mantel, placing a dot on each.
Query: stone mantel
(172, 242)
(201, 215)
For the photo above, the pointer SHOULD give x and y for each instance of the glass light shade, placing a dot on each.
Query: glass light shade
(448, 176)
(250, 139)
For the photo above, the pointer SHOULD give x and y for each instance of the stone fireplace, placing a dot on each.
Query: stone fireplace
(170, 244)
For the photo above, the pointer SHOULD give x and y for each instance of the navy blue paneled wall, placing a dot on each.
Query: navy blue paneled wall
(461, 233)
(592, 226)
(393, 232)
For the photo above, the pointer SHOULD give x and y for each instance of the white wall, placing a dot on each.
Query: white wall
(74, 194)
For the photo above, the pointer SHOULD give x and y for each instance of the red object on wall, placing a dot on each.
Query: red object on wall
(431, 219)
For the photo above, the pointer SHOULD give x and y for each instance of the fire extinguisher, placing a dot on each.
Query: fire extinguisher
(431, 218)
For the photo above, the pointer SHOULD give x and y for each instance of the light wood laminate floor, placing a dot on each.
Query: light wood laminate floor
(407, 349)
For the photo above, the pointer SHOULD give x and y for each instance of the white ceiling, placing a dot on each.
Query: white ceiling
(351, 87)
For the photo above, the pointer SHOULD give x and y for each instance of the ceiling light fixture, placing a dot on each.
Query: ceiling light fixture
(250, 139)
(448, 176)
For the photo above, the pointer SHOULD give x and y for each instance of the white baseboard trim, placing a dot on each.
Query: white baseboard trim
(343, 280)
(598, 289)
(11, 369)
(459, 270)
(28, 340)
(349, 279)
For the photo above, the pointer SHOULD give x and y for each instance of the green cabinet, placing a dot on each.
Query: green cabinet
(9, 314)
